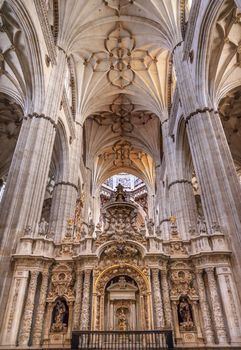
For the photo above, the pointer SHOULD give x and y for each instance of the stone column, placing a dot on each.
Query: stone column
(157, 298)
(85, 314)
(175, 320)
(78, 297)
(164, 213)
(231, 303)
(28, 310)
(216, 306)
(212, 159)
(39, 320)
(62, 208)
(47, 322)
(182, 201)
(28, 172)
(65, 192)
(14, 308)
(205, 311)
(166, 299)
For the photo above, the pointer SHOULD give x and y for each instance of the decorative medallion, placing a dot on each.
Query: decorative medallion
(120, 59)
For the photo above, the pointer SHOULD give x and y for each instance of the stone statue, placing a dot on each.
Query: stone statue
(120, 193)
(91, 228)
(28, 231)
(216, 227)
(43, 227)
(122, 321)
(185, 314)
(201, 225)
(60, 313)
(150, 227)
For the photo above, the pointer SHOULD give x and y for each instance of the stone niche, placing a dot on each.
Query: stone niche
(122, 304)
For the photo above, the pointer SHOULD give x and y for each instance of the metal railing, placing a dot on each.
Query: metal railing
(117, 340)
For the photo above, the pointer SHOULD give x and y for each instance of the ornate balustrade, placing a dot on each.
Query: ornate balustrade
(117, 340)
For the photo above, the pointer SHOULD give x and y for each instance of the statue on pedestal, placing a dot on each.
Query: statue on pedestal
(43, 227)
(122, 321)
(120, 193)
(59, 313)
(185, 314)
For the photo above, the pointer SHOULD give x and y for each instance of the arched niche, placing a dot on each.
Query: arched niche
(109, 300)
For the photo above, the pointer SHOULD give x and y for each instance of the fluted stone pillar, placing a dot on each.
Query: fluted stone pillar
(65, 192)
(182, 201)
(157, 298)
(28, 172)
(62, 208)
(164, 211)
(14, 309)
(39, 320)
(212, 159)
(85, 314)
(28, 310)
(231, 303)
(205, 311)
(78, 298)
(216, 306)
(166, 299)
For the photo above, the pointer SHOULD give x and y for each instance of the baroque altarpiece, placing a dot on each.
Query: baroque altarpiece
(122, 275)
(120, 171)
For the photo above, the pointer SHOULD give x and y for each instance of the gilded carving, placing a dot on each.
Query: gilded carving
(28, 310)
(157, 297)
(182, 284)
(62, 282)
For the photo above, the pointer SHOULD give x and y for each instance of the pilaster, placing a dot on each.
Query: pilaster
(39, 320)
(205, 311)
(158, 305)
(28, 310)
(218, 316)
(78, 298)
(166, 299)
(85, 314)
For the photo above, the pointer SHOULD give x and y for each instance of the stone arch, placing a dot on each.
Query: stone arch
(204, 58)
(35, 94)
(61, 152)
(142, 280)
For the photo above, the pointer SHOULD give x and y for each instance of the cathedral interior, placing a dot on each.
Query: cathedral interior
(120, 174)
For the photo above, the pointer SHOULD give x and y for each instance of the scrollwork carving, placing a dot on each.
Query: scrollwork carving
(62, 282)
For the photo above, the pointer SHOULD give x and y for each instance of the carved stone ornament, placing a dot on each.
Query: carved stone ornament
(120, 253)
(117, 5)
(177, 248)
(65, 250)
(120, 224)
(62, 282)
(140, 277)
(120, 59)
(122, 116)
(182, 284)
